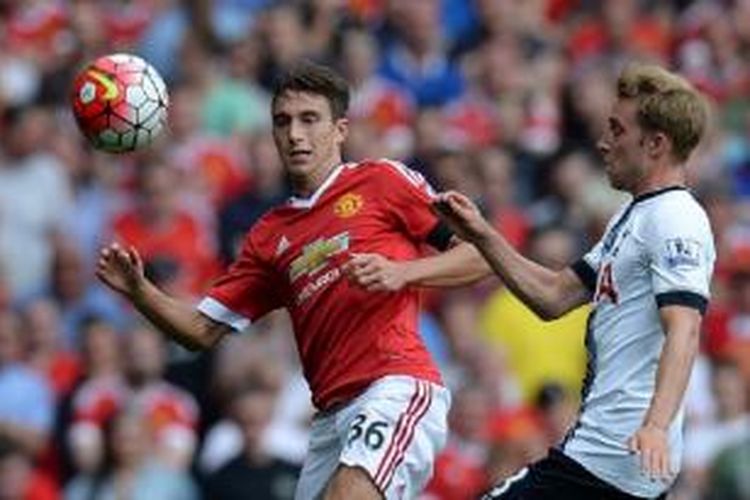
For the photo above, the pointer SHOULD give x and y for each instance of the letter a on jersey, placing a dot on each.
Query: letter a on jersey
(605, 288)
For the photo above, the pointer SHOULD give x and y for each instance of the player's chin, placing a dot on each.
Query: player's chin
(614, 180)
(299, 165)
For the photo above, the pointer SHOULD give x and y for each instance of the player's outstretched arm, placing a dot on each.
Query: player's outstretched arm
(122, 270)
(682, 327)
(461, 265)
(548, 293)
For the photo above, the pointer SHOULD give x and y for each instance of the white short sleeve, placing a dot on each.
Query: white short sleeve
(681, 254)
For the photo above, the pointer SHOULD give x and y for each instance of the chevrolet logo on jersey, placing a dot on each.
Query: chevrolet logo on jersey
(315, 255)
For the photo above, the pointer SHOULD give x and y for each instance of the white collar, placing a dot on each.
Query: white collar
(308, 202)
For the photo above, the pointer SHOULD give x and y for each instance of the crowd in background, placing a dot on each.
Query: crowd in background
(500, 99)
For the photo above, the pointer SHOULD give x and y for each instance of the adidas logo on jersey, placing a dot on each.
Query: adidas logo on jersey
(282, 246)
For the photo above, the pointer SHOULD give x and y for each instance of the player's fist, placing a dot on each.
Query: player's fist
(462, 215)
(375, 273)
(120, 269)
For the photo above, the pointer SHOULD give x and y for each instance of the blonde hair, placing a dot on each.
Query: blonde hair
(667, 103)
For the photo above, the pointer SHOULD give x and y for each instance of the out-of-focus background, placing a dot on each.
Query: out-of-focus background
(500, 99)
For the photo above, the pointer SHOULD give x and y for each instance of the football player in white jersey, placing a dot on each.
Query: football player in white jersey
(648, 280)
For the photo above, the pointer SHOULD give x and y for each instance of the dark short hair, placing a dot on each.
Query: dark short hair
(307, 76)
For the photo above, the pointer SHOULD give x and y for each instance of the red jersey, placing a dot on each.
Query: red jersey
(346, 337)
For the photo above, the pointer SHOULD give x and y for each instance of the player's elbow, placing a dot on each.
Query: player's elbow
(548, 312)
(198, 344)
(206, 340)
(205, 334)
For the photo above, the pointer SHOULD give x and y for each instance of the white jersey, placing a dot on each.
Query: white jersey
(656, 251)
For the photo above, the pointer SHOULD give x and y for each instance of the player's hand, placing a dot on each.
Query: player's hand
(375, 273)
(651, 443)
(120, 269)
(462, 215)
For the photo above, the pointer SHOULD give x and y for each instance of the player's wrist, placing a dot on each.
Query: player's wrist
(655, 424)
(409, 272)
(483, 235)
(138, 292)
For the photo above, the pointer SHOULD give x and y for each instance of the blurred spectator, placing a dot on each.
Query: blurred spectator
(267, 190)
(253, 473)
(728, 478)
(170, 413)
(34, 200)
(538, 351)
(417, 58)
(178, 255)
(386, 107)
(618, 31)
(459, 469)
(210, 170)
(248, 361)
(499, 195)
(728, 327)
(26, 401)
(284, 40)
(235, 103)
(570, 181)
(732, 424)
(473, 359)
(129, 470)
(430, 140)
(44, 345)
(18, 479)
(81, 446)
(557, 408)
(94, 195)
(589, 91)
(516, 439)
(78, 298)
(454, 170)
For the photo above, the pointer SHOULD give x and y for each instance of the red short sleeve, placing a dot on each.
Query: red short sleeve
(246, 292)
(409, 198)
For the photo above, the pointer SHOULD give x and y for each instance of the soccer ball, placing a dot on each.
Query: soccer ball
(120, 103)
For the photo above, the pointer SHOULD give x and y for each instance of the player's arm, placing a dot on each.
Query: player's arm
(459, 265)
(550, 294)
(682, 327)
(122, 270)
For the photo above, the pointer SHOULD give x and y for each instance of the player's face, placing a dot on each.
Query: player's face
(307, 136)
(621, 147)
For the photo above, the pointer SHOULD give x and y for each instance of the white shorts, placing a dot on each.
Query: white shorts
(393, 430)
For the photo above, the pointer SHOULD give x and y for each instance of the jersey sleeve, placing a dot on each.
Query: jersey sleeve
(587, 267)
(681, 257)
(409, 197)
(246, 292)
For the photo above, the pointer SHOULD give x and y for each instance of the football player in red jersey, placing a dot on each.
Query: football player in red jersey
(339, 255)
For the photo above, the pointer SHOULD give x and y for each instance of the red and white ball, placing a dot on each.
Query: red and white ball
(120, 103)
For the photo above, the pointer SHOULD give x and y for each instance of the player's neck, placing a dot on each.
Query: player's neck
(304, 186)
(661, 178)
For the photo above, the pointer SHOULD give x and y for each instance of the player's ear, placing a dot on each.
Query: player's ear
(658, 144)
(342, 128)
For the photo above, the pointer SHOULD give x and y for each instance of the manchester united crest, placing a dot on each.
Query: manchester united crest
(348, 205)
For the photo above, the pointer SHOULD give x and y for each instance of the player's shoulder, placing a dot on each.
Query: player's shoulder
(265, 230)
(675, 209)
(386, 168)
(673, 202)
